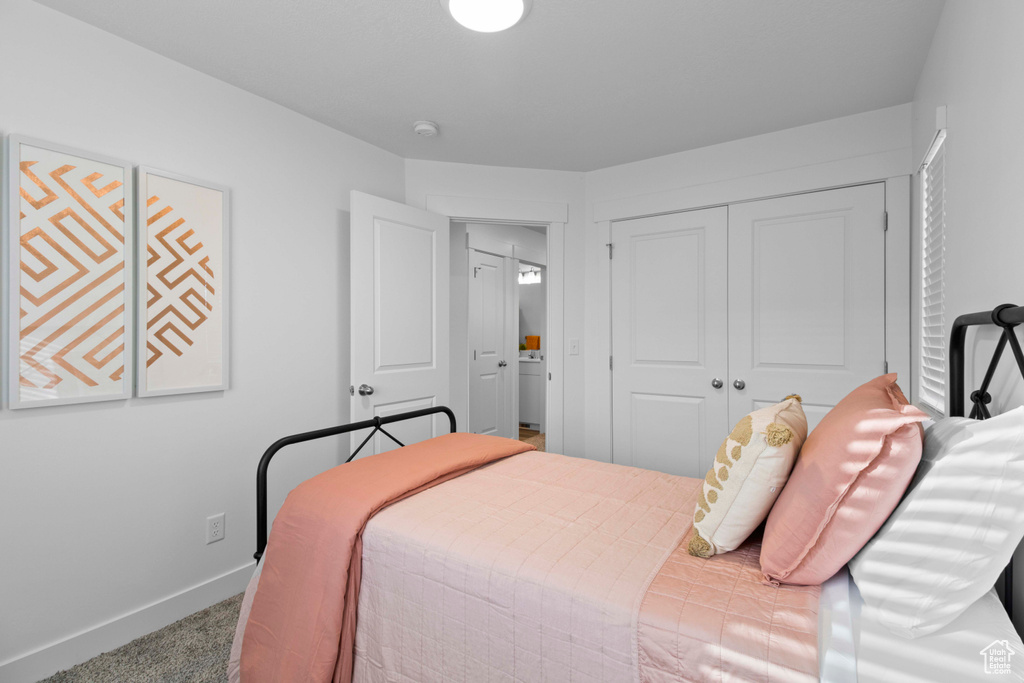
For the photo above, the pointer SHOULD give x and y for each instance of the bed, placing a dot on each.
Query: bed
(540, 567)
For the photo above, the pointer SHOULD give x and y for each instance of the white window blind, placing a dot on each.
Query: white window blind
(932, 379)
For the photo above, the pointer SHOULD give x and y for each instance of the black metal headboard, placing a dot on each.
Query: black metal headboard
(1007, 316)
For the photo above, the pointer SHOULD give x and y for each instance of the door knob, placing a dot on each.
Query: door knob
(739, 384)
(716, 383)
(502, 363)
(365, 390)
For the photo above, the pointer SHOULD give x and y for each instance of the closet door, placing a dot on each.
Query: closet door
(669, 341)
(806, 298)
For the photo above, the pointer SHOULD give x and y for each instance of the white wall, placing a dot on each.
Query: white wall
(427, 178)
(103, 506)
(975, 68)
(854, 149)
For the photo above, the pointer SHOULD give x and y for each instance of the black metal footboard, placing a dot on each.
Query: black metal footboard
(378, 426)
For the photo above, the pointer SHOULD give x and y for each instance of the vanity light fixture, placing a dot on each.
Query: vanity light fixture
(529, 277)
(488, 16)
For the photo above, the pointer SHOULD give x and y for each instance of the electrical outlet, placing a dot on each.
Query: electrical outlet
(214, 528)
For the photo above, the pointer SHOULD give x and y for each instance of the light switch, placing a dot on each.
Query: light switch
(574, 347)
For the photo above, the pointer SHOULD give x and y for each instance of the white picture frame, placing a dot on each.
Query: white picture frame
(68, 275)
(183, 283)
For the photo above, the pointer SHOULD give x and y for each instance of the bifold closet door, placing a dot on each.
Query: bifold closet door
(806, 298)
(669, 331)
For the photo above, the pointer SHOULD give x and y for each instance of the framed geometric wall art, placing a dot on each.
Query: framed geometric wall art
(182, 315)
(68, 276)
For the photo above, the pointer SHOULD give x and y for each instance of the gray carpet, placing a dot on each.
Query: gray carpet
(194, 649)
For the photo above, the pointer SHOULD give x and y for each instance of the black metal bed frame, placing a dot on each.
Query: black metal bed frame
(1007, 316)
(378, 426)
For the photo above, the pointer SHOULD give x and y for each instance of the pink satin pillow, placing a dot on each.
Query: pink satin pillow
(849, 477)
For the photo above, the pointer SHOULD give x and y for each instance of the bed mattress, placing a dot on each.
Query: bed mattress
(856, 648)
(537, 568)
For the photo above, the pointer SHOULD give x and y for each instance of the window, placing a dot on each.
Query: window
(932, 378)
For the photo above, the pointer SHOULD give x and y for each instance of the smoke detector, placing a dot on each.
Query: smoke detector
(427, 129)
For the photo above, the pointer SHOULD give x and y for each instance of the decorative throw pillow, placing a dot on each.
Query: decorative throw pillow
(852, 471)
(750, 469)
(954, 532)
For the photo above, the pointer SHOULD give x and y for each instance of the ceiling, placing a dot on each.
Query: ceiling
(578, 85)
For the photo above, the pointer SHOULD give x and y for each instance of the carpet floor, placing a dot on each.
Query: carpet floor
(532, 436)
(193, 650)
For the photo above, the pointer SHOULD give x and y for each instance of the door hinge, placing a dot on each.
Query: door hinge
(885, 367)
(885, 221)
(610, 247)
(474, 354)
(609, 362)
(476, 269)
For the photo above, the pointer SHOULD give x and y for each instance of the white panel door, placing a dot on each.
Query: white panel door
(399, 270)
(490, 380)
(806, 298)
(669, 340)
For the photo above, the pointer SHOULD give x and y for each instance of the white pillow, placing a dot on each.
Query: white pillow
(955, 530)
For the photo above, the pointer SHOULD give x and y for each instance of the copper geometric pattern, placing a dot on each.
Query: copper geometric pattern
(180, 287)
(71, 283)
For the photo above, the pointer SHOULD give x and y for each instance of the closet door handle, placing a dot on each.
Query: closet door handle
(502, 363)
(365, 390)
(717, 383)
(739, 384)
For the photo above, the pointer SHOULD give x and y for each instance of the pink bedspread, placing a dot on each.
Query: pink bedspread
(301, 626)
(716, 620)
(547, 568)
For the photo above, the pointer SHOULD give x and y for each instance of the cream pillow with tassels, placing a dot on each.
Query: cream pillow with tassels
(749, 471)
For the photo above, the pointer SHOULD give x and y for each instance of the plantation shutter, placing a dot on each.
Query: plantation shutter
(932, 382)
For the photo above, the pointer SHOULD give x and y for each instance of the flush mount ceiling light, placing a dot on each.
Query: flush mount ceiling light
(487, 16)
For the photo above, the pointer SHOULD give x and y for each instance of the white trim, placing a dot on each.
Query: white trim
(85, 645)
(554, 418)
(898, 279)
(832, 174)
(598, 329)
(498, 210)
(488, 245)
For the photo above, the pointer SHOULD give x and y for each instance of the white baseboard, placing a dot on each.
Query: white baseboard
(83, 646)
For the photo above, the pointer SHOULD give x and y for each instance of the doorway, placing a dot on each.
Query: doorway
(506, 384)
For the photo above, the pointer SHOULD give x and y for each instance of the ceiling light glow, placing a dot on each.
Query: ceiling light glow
(487, 16)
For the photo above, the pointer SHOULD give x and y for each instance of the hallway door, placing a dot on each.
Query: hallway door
(492, 368)
(399, 323)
